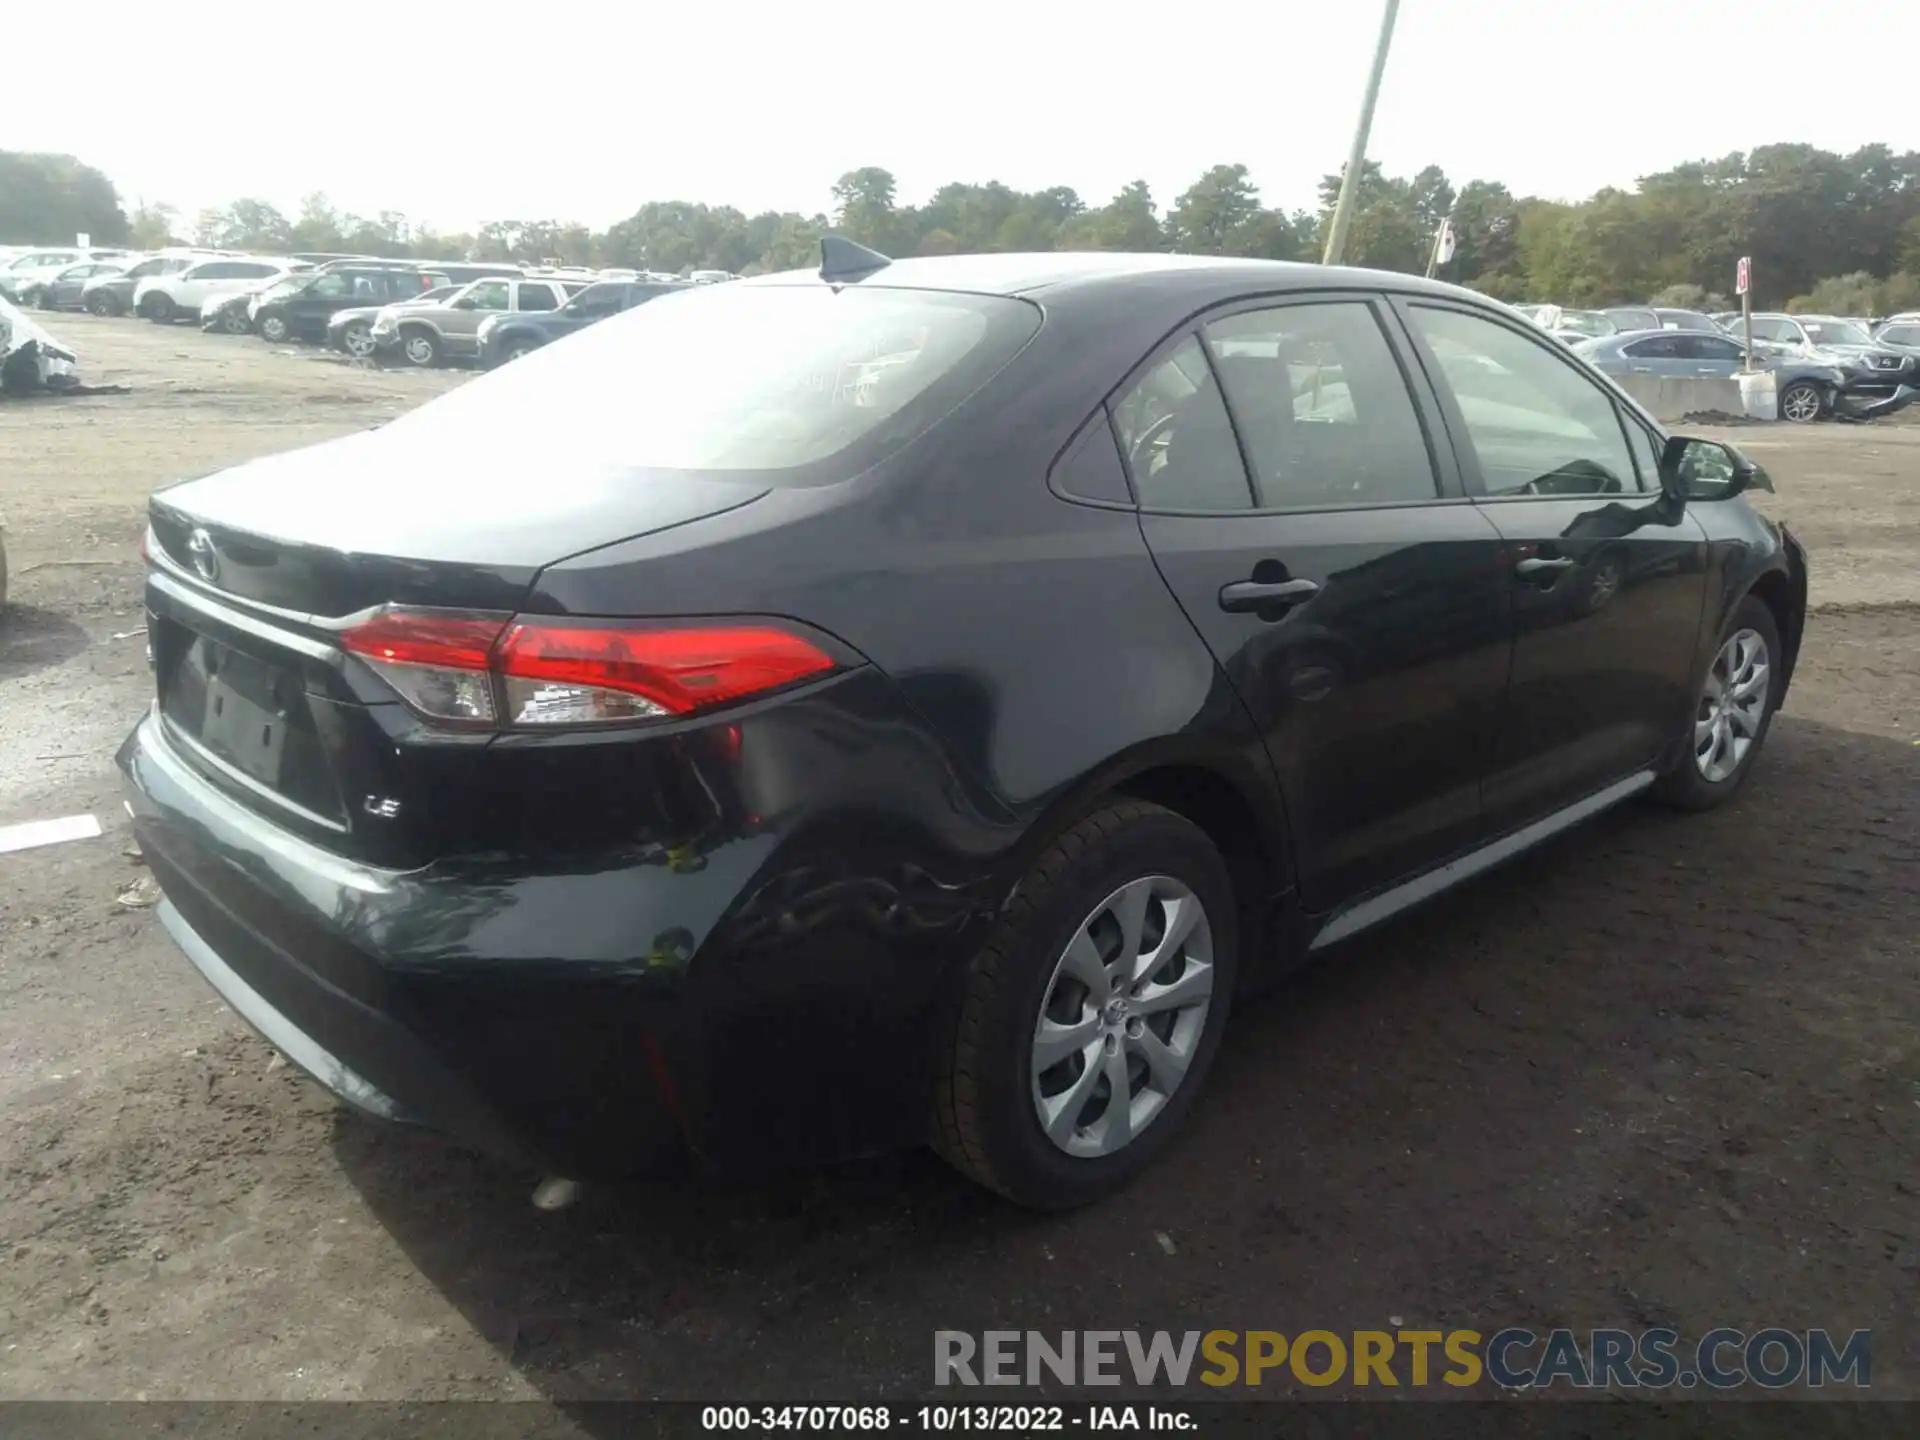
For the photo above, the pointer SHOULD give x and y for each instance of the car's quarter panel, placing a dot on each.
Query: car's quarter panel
(671, 932)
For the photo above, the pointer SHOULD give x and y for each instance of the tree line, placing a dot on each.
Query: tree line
(1825, 230)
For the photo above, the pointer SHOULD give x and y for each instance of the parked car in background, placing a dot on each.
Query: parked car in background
(1572, 326)
(299, 306)
(32, 266)
(505, 337)
(653, 752)
(1870, 367)
(711, 277)
(1632, 317)
(435, 334)
(63, 289)
(1902, 335)
(230, 312)
(113, 294)
(462, 272)
(164, 298)
(1671, 319)
(1806, 388)
(351, 330)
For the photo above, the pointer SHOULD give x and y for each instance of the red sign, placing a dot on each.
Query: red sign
(1743, 276)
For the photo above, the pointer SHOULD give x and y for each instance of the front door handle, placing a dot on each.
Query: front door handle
(1245, 595)
(1527, 569)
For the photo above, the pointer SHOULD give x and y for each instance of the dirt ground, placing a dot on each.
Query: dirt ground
(1665, 1071)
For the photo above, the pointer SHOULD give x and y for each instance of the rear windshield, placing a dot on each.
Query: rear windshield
(753, 378)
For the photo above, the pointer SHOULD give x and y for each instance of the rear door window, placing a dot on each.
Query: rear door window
(1322, 407)
(537, 295)
(1657, 347)
(1176, 438)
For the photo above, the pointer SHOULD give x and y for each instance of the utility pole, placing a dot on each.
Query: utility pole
(1357, 161)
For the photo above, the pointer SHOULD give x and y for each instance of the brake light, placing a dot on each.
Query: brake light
(482, 669)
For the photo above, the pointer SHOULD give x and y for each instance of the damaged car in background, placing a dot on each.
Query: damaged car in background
(30, 358)
(1810, 387)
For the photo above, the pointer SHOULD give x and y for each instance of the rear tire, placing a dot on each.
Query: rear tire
(235, 322)
(357, 340)
(101, 304)
(997, 1070)
(1724, 737)
(43, 297)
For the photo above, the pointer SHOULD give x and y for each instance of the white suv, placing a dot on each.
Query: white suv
(165, 298)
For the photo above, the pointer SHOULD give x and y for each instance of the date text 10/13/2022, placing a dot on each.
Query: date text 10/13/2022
(941, 1419)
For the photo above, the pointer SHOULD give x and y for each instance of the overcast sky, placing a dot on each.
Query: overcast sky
(596, 107)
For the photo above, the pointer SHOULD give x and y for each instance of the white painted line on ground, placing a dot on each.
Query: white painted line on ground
(47, 832)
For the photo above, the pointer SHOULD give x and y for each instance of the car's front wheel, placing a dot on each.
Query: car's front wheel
(357, 340)
(234, 321)
(420, 346)
(1733, 710)
(1802, 403)
(158, 308)
(101, 303)
(1084, 1028)
(273, 327)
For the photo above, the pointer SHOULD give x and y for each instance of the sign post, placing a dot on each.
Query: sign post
(1443, 247)
(1743, 286)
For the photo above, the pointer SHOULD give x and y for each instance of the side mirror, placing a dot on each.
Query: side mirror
(465, 302)
(1693, 469)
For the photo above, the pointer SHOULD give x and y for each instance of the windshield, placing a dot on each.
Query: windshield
(1836, 332)
(1685, 320)
(760, 378)
(281, 289)
(1626, 319)
(1587, 322)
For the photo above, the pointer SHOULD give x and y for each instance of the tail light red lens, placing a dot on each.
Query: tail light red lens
(483, 669)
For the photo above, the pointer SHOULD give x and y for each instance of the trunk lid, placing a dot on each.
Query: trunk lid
(258, 564)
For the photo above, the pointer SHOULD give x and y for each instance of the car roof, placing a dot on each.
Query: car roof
(1055, 275)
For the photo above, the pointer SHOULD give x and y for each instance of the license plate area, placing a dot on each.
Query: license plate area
(236, 724)
(249, 713)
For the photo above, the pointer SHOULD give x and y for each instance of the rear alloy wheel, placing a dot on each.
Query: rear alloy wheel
(1802, 402)
(421, 347)
(273, 328)
(1088, 1021)
(517, 350)
(357, 340)
(234, 321)
(44, 298)
(101, 303)
(1732, 712)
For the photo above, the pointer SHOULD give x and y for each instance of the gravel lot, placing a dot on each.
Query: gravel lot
(1664, 1072)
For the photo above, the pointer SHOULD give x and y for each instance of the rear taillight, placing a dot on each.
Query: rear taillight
(486, 670)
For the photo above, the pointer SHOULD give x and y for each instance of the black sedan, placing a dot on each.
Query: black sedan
(909, 703)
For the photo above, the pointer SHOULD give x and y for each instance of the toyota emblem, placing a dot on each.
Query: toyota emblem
(200, 552)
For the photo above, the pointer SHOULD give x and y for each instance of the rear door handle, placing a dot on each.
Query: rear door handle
(1527, 569)
(1245, 595)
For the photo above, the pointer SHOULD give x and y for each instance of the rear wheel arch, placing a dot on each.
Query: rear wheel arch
(1218, 795)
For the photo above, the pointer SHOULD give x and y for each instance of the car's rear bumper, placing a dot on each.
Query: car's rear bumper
(766, 1002)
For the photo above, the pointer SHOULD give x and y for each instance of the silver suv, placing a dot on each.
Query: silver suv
(435, 334)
